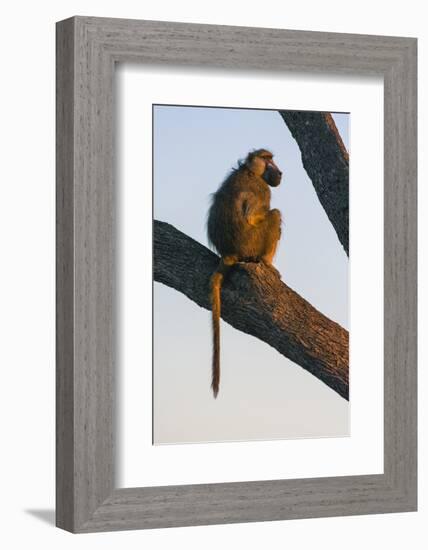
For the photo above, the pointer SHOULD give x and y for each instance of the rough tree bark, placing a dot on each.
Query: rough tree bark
(257, 302)
(326, 162)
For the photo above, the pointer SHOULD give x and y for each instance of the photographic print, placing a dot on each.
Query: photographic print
(250, 274)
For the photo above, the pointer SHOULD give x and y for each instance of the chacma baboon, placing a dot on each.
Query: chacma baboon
(242, 228)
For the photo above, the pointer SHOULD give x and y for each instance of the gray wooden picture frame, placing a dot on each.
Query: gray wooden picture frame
(87, 50)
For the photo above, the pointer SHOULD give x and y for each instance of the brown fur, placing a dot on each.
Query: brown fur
(242, 227)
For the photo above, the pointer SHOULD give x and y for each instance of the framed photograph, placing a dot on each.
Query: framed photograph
(236, 274)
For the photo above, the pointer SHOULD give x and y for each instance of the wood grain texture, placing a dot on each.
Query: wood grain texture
(64, 277)
(87, 49)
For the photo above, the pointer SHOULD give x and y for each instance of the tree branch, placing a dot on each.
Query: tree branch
(326, 161)
(257, 302)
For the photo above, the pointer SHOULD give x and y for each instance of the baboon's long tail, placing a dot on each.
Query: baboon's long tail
(216, 282)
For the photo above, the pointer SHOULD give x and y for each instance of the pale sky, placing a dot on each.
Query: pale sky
(262, 395)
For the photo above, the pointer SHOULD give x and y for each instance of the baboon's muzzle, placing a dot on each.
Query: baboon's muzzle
(272, 176)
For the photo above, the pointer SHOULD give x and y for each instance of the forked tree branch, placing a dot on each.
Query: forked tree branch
(257, 302)
(326, 162)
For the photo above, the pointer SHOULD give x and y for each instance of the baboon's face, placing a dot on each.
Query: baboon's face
(272, 174)
(261, 164)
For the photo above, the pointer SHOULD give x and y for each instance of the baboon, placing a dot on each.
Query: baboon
(242, 228)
